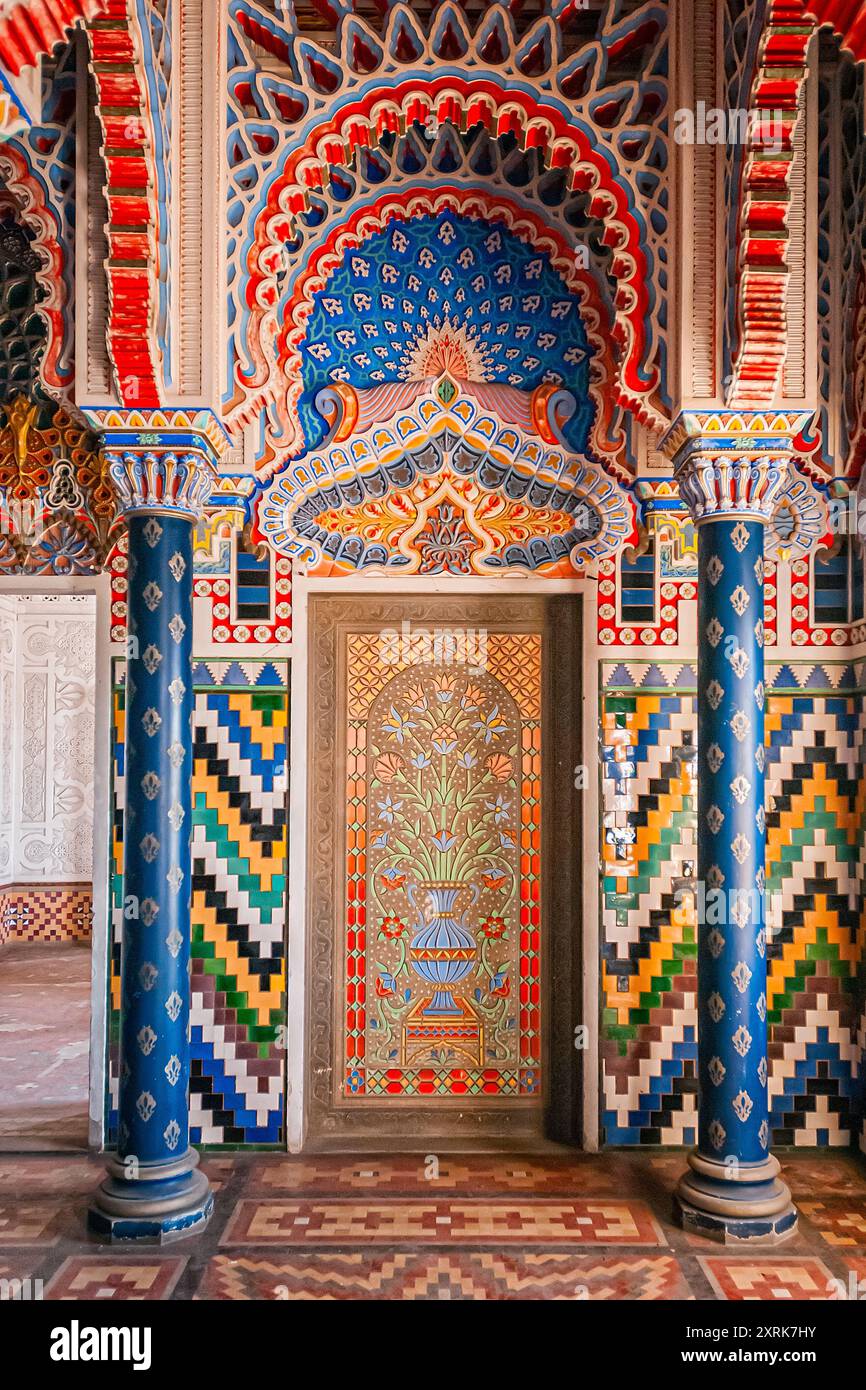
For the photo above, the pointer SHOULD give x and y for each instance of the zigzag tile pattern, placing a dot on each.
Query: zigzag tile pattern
(649, 1043)
(239, 849)
(237, 1089)
(814, 847)
(816, 864)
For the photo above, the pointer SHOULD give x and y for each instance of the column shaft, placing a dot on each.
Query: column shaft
(733, 1120)
(154, 1047)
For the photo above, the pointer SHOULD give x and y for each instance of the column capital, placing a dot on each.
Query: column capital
(160, 460)
(733, 463)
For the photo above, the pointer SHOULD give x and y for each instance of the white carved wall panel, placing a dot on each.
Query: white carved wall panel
(52, 725)
(7, 708)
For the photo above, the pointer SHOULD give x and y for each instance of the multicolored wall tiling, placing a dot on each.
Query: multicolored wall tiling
(239, 848)
(815, 856)
(62, 913)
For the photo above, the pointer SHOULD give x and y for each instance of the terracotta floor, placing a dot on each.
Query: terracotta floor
(44, 1045)
(482, 1228)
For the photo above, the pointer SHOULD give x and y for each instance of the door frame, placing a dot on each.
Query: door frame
(582, 1066)
(99, 585)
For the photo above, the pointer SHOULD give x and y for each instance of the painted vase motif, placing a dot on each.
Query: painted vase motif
(442, 951)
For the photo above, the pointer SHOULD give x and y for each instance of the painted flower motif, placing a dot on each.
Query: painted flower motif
(493, 927)
(391, 879)
(388, 809)
(444, 687)
(420, 761)
(742, 1040)
(467, 760)
(417, 697)
(743, 1106)
(715, 694)
(495, 882)
(499, 766)
(443, 841)
(500, 986)
(471, 697)
(398, 726)
(445, 739)
(386, 985)
(499, 807)
(741, 975)
(715, 757)
(393, 928)
(491, 724)
(388, 766)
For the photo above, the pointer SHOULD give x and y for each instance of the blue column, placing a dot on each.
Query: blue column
(153, 1190)
(732, 1190)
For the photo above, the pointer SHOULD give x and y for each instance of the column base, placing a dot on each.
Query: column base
(156, 1206)
(746, 1204)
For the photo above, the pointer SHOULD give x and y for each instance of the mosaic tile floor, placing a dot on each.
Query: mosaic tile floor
(467, 1227)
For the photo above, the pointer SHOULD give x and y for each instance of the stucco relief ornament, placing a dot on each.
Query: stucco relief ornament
(176, 754)
(150, 785)
(715, 819)
(149, 848)
(715, 694)
(716, 1070)
(742, 1040)
(145, 1105)
(148, 975)
(173, 1006)
(148, 912)
(717, 1134)
(146, 1039)
(715, 943)
(741, 975)
(743, 1106)
(716, 1006)
(715, 757)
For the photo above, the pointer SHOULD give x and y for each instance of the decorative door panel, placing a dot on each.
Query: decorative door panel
(427, 930)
